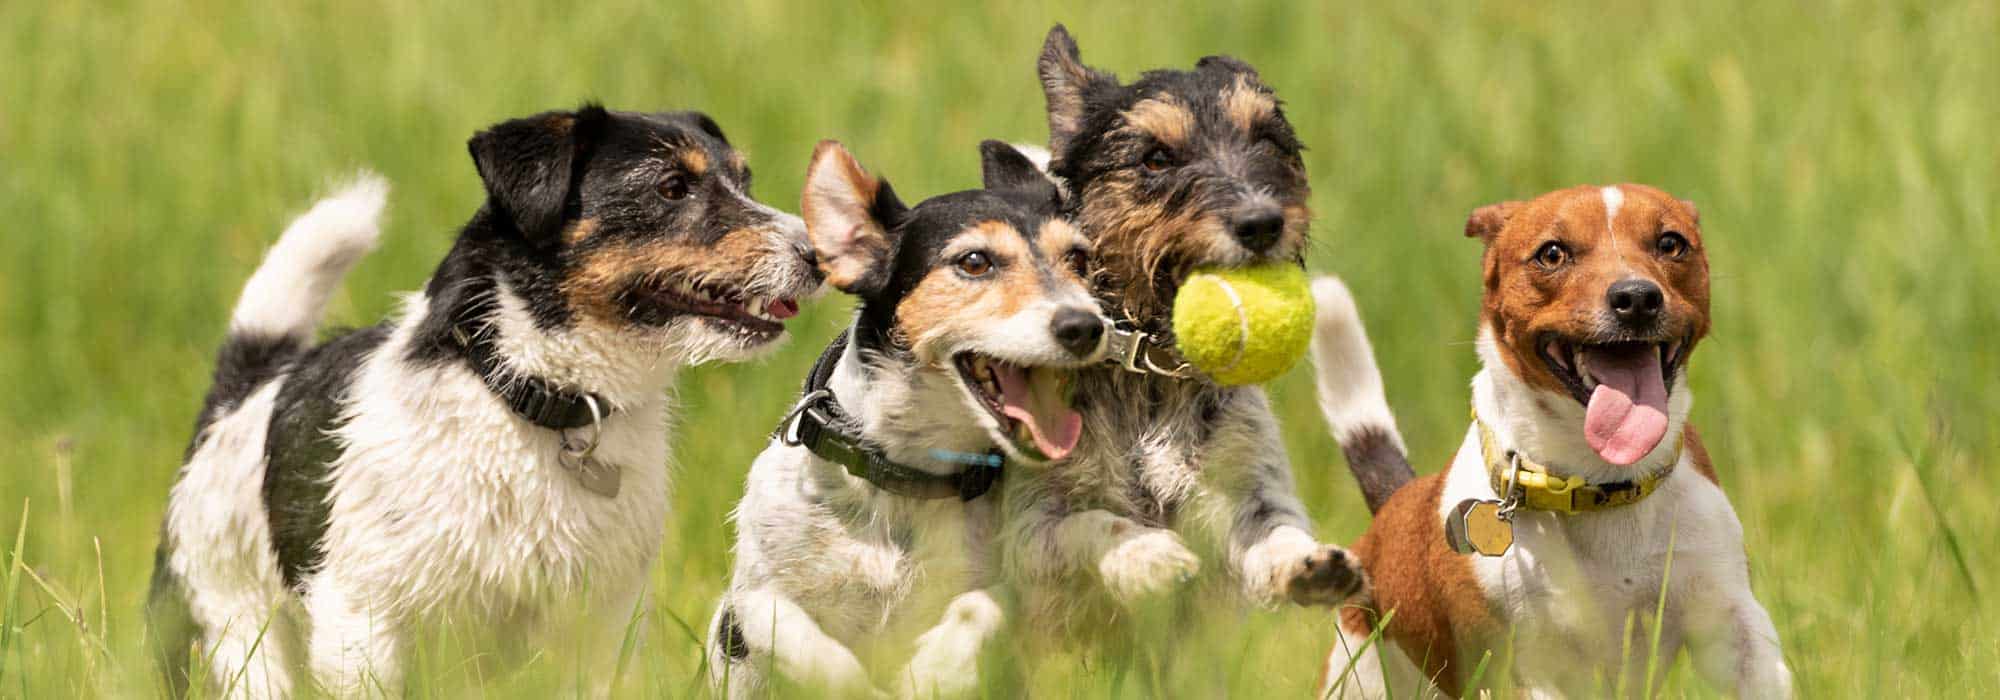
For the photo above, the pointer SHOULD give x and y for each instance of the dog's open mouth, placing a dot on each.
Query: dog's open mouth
(1031, 404)
(1623, 387)
(758, 317)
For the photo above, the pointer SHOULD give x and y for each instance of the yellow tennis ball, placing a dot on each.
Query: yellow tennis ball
(1244, 325)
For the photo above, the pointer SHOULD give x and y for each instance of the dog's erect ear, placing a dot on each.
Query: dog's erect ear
(851, 219)
(529, 166)
(1227, 63)
(1486, 221)
(1064, 82)
(1003, 167)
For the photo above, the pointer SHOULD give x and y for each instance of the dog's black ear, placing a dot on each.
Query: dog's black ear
(1003, 167)
(1227, 63)
(1486, 221)
(708, 126)
(851, 218)
(1065, 80)
(530, 165)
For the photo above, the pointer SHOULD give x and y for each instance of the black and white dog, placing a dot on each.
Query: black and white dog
(1177, 170)
(496, 451)
(868, 521)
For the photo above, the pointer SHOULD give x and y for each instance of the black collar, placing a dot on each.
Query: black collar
(533, 398)
(822, 428)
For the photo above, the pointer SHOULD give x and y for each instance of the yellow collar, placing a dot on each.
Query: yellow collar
(1541, 489)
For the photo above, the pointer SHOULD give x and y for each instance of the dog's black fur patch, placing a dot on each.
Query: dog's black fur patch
(300, 449)
(1378, 464)
(729, 634)
(244, 362)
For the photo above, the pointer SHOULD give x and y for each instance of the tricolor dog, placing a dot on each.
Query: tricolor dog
(869, 521)
(496, 453)
(1177, 170)
(1580, 501)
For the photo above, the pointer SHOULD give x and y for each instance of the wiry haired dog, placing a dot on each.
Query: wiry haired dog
(870, 513)
(1176, 170)
(495, 453)
(1580, 502)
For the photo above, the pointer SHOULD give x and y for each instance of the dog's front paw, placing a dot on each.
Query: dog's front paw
(1325, 577)
(1147, 564)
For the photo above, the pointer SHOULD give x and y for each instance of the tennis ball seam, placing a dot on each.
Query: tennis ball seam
(1242, 324)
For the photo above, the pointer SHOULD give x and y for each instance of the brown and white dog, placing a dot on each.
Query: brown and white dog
(1594, 300)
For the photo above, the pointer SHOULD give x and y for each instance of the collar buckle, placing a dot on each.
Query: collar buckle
(1138, 352)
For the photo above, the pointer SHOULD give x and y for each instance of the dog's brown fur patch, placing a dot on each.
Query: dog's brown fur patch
(1246, 105)
(604, 275)
(1138, 240)
(1438, 603)
(695, 160)
(945, 305)
(579, 230)
(1164, 118)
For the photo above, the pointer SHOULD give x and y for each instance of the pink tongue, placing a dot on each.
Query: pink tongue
(1054, 426)
(782, 309)
(1627, 415)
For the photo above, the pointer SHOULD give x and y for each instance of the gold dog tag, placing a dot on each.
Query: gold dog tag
(1476, 527)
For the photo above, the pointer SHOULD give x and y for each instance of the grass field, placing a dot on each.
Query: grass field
(1843, 155)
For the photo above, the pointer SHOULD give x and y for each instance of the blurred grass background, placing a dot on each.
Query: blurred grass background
(1843, 155)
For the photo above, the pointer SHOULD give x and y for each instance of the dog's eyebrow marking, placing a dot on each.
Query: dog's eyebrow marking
(1163, 117)
(580, 230)
(695, 160)
(1057, 237)
(1246, 105)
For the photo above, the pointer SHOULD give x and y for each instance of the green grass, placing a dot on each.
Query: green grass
(1843, 155)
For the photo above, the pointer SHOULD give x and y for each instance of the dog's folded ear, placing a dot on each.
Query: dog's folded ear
(529, 166)
(1230, 64)
(1004, 167)
(1065, 80)
(851, 218)
(1486, 221)
(1693, 211)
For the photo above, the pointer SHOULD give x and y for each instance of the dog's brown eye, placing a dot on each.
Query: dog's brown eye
(1551, 255)
(1078, 261)
(675, 187)
(1672, 245)
(974, 264)
(1156, 160)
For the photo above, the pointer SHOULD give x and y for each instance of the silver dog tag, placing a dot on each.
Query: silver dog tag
(596, 476)
(1478, 527)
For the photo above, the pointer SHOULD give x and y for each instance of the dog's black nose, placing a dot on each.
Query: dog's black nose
(1636, 303)
(1258, 229)
(1077, 330)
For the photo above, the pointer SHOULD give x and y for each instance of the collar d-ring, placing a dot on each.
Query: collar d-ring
(584, 450)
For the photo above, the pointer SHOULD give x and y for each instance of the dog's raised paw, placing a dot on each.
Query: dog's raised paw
(1325, 577)
(1147, 564)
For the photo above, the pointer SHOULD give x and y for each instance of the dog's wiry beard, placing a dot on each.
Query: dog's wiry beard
(1144, 248)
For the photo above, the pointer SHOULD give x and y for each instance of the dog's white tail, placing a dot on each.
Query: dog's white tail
(1351, 395)
(284, 299)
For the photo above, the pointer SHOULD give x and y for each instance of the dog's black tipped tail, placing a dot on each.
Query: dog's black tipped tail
(1351, 395)
(280, 308)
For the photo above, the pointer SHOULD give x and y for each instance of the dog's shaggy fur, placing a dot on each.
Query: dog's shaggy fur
(968, 302)
(336, 496)
(1177, 170)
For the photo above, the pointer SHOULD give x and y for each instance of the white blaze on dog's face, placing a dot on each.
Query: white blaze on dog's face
(1597, 294)
(642, 226)
(983, 287)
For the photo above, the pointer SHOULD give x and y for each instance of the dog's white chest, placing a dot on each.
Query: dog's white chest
(480, 505)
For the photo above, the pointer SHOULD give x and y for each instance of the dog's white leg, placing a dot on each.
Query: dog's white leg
(779, 636)
(612, 617)
(247, 656)
(946, 663)
(1356, 670)
(354, 652)
(1133, 560)
(1271, 543)
(1735, 646)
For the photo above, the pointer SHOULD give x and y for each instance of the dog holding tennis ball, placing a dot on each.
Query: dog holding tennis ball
(1191, 186)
